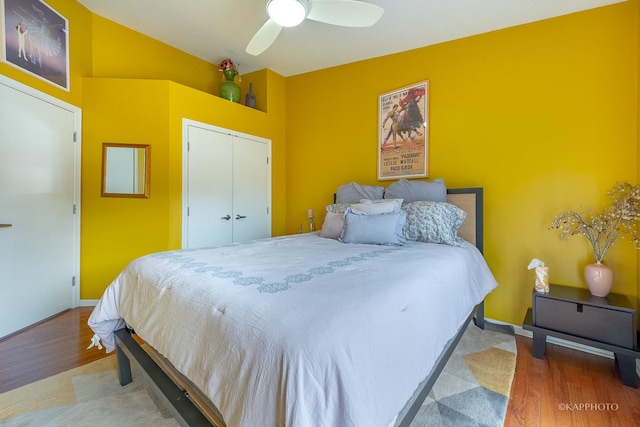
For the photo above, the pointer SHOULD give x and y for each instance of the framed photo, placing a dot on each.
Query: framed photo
(35, 39)
(403, 132)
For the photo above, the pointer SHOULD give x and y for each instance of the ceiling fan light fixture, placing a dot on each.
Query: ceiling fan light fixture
(287, 13)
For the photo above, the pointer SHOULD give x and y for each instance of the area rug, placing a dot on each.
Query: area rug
(474, 387)
(472, 390)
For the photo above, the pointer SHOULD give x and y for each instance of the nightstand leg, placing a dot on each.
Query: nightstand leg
(539, 344)
(627, 366)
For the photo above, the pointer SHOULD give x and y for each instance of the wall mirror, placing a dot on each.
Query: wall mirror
(125, 170)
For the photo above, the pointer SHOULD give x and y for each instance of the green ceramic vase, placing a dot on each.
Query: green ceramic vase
(229, 89)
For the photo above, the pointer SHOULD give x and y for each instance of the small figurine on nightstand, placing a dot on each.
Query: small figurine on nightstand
(542, 275)
(312, 225)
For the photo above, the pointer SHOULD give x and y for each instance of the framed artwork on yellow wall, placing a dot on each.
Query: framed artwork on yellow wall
(35, 39)
(403, 132)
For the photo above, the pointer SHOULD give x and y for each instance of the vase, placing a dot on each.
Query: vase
(599, 278)
(250, 98)
(229, 89)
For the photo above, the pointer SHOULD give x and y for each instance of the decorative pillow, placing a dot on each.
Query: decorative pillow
(379, 206)
(433, 222)
(332, 226)
(397, 203)
(414, 191)
(376, 229)
(353, 192)
(339, 207)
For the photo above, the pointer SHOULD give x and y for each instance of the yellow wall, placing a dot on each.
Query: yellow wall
(543, 116)
(117, 230)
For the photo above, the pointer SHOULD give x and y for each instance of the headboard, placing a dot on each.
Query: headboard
(469, 200)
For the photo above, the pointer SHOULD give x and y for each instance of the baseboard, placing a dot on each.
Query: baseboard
(88, 302)
(569, 344)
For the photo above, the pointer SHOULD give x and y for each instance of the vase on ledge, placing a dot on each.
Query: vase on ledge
(599, 278)
(228, 88)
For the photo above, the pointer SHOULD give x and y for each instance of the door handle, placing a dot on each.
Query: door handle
(240, 216)
(226, 217)
(6, 225)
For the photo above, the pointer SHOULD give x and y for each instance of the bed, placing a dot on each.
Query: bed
(298, 330)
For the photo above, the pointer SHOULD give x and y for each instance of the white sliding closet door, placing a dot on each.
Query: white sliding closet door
(39, 196)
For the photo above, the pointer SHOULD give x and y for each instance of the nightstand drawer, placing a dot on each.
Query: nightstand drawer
(591, 322)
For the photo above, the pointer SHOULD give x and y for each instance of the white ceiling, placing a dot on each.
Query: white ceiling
(216, 29)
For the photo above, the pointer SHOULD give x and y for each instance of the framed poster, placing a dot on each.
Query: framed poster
(403, 132)
(35, 39)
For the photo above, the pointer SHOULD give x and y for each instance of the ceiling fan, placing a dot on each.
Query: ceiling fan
(289, 13)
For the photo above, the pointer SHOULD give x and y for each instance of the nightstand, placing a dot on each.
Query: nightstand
(573, 314)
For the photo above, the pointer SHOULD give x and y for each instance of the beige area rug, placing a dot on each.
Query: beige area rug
(89, 395)
(472, 390)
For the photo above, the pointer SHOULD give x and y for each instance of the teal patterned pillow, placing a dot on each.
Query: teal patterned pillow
(433, 222)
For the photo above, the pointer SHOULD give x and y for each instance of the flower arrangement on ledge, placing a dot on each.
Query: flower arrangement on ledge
(616, 220)
(228, 65)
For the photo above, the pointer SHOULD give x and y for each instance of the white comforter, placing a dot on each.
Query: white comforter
(299, 330)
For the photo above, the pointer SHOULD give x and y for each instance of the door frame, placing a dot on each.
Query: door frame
(186, 123)
(77, 153)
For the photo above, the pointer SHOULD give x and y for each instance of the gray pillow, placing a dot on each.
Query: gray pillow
(377, 229)
(413, 191)
(353, 192)
(433, 222)
(332, 226)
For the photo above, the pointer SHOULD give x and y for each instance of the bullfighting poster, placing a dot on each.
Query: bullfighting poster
(35, 39)
(403, 132)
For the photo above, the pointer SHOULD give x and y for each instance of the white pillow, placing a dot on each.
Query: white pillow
(396, 202)
(380, 206)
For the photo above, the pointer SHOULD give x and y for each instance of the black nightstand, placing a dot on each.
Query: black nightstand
(573, 314)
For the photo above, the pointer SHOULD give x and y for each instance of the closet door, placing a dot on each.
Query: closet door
(251, 216)
(209, 188)
(227, 188)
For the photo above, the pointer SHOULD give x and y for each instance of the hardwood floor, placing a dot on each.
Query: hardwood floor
(48, 348)
(567, 388)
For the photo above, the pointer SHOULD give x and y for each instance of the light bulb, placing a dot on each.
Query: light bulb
(287, 13)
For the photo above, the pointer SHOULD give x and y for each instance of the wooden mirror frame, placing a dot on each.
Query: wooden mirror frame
(141, 177)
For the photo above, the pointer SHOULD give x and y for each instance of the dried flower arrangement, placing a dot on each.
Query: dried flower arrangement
(616, 220)
(228, 65)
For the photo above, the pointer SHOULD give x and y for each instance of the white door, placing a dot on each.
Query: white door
(250, 191)
(209, 195)
(39, 192)
(227, 187)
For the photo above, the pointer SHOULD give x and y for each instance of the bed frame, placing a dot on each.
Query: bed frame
(191, 408)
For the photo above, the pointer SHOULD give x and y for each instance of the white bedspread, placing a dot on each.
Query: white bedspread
(299, 330)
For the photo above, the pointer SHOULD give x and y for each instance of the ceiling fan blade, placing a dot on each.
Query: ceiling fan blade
(346, 13)
(265, 36)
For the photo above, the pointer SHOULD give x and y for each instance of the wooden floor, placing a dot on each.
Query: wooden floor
(567, 388)
(48, 348)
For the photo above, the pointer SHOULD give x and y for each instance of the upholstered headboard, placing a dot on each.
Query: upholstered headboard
(469, 200)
